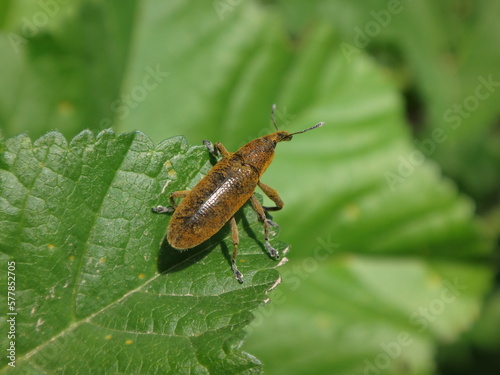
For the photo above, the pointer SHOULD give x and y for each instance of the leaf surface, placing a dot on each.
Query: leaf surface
(76, 218)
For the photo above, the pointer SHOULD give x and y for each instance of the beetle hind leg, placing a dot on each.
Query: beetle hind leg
(267, 222)
(236, 240)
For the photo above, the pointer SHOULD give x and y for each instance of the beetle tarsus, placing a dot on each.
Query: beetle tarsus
(272, 223)
(272, 251)
(237, 274)
(163, 209)
(210, 147)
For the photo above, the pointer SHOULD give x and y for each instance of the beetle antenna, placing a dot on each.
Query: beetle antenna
(273, 108)
(318, 125)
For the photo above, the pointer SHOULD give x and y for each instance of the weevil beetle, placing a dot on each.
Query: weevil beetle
(230, 183)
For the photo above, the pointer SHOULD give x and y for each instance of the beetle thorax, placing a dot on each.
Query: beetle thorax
(258, 153)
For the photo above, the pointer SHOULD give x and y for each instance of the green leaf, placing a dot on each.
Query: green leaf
(91, 276)
(355, 315)
(377, 233)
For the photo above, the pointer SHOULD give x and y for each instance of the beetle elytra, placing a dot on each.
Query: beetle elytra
(216, 198)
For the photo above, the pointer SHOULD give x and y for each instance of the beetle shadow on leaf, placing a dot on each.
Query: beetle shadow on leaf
(247, 227)
(172, 260)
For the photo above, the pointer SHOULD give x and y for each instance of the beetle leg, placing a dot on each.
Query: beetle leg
(236, 241)
(210, 147)
(216, 148)
(273, 195)
(223, 151)
(162, 209)
(177, 194)
(170, 209)
(262, 217)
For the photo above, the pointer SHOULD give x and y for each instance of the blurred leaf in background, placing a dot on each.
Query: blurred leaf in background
(390, 260)
(445, 59)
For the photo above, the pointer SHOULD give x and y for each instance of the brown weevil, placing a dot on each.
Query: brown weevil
(223, 191)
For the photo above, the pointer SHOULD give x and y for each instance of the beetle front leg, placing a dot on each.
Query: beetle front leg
(216, 148)
(236, 242)
(170, 209)
(273, 195)
(262, 217)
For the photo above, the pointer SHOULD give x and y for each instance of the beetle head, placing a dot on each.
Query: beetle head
(283, 136)
(260, 152)
(280, 136)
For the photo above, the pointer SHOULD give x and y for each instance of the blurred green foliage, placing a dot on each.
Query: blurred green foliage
(377, 234)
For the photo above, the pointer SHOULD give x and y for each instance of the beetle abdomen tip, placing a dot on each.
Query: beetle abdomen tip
(180, 241)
